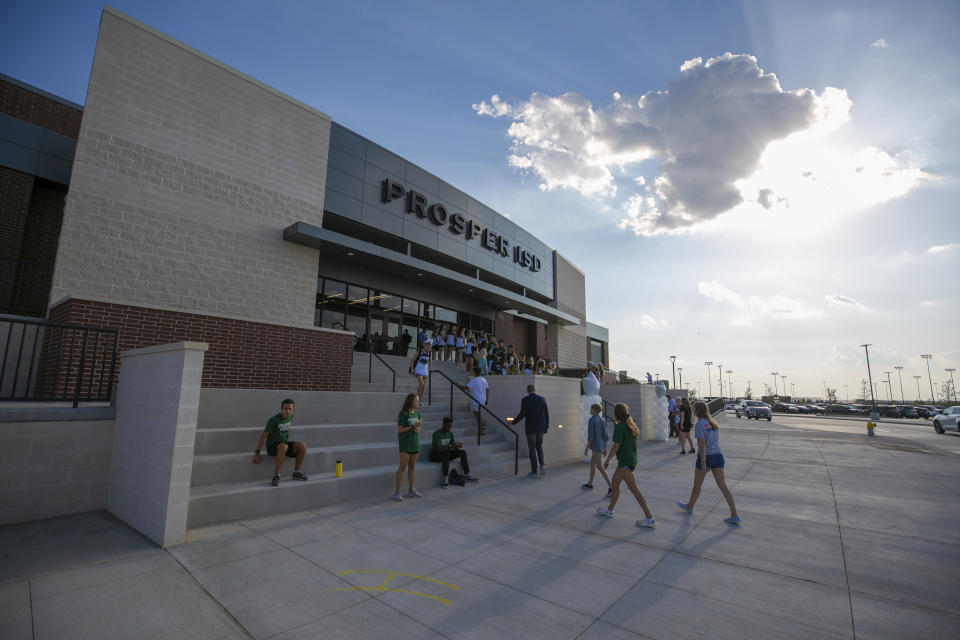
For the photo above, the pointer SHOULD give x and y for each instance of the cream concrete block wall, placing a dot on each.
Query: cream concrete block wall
(563, 401)
(567, 345)
(186, 173)
(157, 403)
(53, 468)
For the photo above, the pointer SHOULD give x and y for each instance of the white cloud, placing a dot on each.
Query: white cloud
(929, 304)
(715, 131)
(649, 322)
(879, 44)
(845, 302)
(943, 248)
(750, 308)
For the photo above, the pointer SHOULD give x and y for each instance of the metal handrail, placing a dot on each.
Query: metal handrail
(370, 370)
(607, 415)
(516, 446)
(44, 373)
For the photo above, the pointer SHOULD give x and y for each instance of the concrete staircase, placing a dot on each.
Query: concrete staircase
(358, 427)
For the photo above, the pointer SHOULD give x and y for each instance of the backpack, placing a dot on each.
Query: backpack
(456, 478)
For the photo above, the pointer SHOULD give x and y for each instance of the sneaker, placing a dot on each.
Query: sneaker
(543, 471)
(609, 492)
(684, 506)
(276, 481)
(414, 494)
(683, 452)
(587, 486)
(603, 511)
(533, 474)
(648, 523)
(470, 478)
(444, 485)
(298, 475)
(732, 520)
(398, 497)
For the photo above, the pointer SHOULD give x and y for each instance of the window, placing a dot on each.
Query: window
(333, 304)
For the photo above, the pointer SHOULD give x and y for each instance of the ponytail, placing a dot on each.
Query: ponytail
(701, 411)
(621, 413)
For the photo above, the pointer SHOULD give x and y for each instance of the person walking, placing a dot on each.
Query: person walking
(686, 423)
(707, 433)
(625, 436)
(408, 437)
(671, 415)
(597, 443)
(533, 408)
(420, 366)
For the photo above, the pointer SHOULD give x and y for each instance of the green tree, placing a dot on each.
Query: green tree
(831, 395)
(748, 394)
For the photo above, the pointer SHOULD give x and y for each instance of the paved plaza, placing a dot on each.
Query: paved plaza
(842, 537)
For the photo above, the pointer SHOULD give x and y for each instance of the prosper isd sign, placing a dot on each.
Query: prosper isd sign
(458, 224)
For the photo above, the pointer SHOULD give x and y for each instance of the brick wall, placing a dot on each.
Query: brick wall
(242, 354)
(39, 110)
(15, 190)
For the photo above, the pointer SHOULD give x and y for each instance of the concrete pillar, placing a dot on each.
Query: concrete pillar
(157, 402)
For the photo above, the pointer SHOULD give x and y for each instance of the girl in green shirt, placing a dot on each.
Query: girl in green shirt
(625, 436)
(408, 436)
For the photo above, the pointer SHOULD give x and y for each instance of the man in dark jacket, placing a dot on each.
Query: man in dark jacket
(534, 408)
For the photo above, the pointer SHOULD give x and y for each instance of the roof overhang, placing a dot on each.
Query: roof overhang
(337, 245)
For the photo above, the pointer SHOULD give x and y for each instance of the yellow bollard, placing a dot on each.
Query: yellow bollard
(339, 471)
(870, 427)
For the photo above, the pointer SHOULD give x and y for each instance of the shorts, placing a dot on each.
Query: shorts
(475, 406)
(411, 453)
(627, 467)
(596, 457)
(686, 428)
(714, 461)
(272, 449)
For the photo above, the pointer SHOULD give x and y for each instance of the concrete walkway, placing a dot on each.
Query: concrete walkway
(841, 538)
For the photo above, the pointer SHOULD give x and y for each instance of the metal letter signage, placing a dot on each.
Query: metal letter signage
(437, 213)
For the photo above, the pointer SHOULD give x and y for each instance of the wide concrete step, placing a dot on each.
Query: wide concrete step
(244, 439)
(215, 504)
(223, 468)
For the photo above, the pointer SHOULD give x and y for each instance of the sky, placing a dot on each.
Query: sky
(762, 185)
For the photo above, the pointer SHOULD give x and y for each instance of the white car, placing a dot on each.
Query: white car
(754, 409)
(947, 419)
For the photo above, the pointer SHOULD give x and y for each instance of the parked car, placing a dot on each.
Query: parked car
(729, 405)
(947, 419)
(818, 409)
(890, 411)
(924, 412)
(839, 409)
(783, 407)
(908, 411)
(930, 409)
(860, 409)
(754, 409)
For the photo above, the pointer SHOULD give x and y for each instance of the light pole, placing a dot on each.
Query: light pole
(950, 371)
(673, 361)
(917, 378)
(900, 377)
(680, 372)
(699, 389)
(729, 384)
(889, 387)
(784, 385)
(873, 399)
(720, 369)
(927, 356)
(775, 392)
(793, 390)
(846, 392)
(709, 382)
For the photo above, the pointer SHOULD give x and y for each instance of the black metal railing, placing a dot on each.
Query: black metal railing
(516, 437)
(393, 384)
(609, 416)
(715, 406)
(49, 362)
(24, 287)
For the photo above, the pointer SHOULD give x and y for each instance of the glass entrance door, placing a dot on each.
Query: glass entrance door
(384, 332)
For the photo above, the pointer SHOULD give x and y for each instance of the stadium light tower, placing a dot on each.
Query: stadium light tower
(709, 381)
(899, 369)
(927, 357)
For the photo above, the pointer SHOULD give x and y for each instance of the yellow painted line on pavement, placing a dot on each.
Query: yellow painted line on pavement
(390, 575)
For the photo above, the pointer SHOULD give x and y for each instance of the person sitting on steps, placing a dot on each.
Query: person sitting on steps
(446, 448)
(276, 434)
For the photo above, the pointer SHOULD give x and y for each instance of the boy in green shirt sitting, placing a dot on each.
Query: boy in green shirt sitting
(446, 447)
(276, 435)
